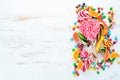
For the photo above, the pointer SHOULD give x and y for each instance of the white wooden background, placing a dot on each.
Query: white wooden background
(35, 40)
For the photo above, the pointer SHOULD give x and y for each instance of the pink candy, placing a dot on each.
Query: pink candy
(83, 15)
(87, 63)
(83, 54)
(90, 28)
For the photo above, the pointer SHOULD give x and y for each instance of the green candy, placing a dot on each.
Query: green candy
(93, 9)
(83, 38)
(98, 72)
(109, 26)
(73, 49)
(102, 61)
(109, 19)
(104, 17)
(78, 56)
(74, 64)
(112, 60)
(103, 69)
(111, 8)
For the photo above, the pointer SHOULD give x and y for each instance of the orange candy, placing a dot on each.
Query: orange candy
(105, 32)
(75, 55)
(75, 36)
(114, 55)
(107, 44)
(93, 13)
(103, 23)
(80, 64)
(106, 55)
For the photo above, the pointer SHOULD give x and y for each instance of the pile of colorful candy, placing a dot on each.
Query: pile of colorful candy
(94, 49)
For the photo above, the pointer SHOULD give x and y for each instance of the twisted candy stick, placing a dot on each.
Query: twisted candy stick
(104, 32)
(86, 65)
(99, 44)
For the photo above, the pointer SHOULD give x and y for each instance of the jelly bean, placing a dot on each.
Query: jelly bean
(116, 38)
(75, 23)
(71, 39)
(74, 64)
(108, 66)
(74, 72)
(103, 68)
(98, 72)
(118, 62)
(111, 8)
(73, 49)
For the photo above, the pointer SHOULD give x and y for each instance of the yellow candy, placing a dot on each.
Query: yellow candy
(109, 16)
(90, 7)
(94, 69)
(77, 9)
(113, 21)
(89, 67)
(99, 44)
(75, 54)
(74, 26)
(118, 62)
(74, 75)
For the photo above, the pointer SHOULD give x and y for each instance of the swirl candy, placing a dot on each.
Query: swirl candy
(90, 29)
(107, 44)
(83, 15)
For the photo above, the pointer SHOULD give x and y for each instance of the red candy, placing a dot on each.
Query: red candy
(83, 15)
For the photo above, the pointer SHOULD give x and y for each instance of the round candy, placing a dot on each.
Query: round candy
(83, 15)
(83, 54)
(90, 29)
(108, 44)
